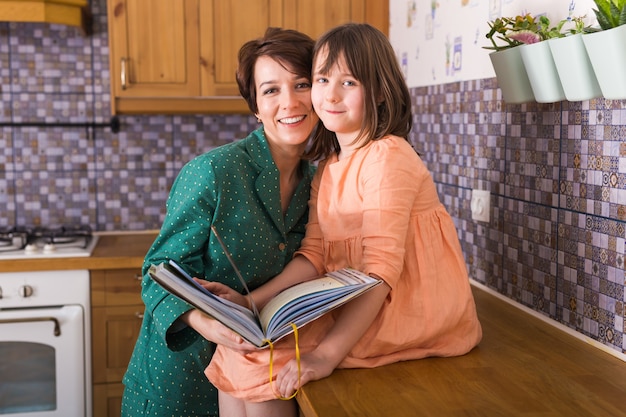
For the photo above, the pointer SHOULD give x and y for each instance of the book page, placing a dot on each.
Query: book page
(234, 316)
(321, 286)
(305, 309)
(292, 293)
(208, 293)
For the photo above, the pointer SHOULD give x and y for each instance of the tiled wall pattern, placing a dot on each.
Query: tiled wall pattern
(557, 177)
(59, 161)
(556, 172)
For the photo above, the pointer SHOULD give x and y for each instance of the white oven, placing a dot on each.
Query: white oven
(45, 368)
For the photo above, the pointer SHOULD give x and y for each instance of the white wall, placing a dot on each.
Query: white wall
(441, 41)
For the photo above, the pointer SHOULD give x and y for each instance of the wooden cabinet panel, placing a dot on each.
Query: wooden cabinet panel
(107, 400)
(154, 48)
(377, 15)
(116, 316)
(116, 287)
(224, 27)
(115, 331)
(315, 17)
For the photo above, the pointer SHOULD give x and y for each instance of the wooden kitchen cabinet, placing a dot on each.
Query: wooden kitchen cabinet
(180, 56)
(154, 48)
(116, 315)
(154, 53)
(316, 17)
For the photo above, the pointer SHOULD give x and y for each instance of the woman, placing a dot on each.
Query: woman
(255, 193)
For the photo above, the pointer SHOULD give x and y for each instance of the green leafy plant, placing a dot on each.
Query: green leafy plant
(528, 29)
(610, 13)
(579, 26)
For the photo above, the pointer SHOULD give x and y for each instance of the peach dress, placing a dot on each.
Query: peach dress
(377, 211)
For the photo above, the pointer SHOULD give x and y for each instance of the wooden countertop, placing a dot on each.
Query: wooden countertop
(523, 367)
(112, 252)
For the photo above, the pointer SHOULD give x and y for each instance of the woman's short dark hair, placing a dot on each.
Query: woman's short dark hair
(290, 48)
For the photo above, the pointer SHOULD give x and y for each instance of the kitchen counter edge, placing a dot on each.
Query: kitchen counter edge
(112, 252)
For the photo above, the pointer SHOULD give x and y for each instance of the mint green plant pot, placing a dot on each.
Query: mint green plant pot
(542, 74)
(574, 67)
(607, 53)
(511, 75)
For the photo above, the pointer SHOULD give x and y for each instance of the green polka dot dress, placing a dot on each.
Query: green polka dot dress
(236, 188)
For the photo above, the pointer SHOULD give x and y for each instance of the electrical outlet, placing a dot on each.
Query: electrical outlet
(480, 205)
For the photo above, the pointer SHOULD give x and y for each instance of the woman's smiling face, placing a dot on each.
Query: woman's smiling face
(284, 103)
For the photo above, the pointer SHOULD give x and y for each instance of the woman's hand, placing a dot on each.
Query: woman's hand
(214, 331)
(224, 291)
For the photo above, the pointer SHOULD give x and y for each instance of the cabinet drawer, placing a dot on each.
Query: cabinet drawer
(116, 287)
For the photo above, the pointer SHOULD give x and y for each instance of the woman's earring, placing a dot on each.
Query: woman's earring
(258, 120)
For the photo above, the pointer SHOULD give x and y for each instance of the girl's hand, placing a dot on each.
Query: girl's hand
(313, 366)
(214, 331)
(353, 320)
(224, 291)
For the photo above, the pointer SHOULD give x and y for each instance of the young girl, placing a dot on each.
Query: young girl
(373, 207)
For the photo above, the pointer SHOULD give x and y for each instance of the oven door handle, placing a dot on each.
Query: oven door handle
(57, 326)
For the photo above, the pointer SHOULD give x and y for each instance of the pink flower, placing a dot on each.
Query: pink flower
(525, 36)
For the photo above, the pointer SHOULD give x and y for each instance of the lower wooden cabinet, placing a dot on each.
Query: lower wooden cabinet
(116, 315)
(107, 400)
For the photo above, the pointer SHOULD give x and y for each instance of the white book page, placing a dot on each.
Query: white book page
(308, 287)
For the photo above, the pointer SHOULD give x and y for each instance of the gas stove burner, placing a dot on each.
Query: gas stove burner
(63, 235)
(42, 242)
(12, 238)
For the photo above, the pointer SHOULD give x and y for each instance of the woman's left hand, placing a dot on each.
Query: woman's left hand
(214, 331)
(224, 291)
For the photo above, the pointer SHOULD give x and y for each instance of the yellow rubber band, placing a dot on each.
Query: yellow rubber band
(280, 397)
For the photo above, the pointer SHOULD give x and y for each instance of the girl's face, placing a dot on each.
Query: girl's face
(284, 104)
(338, 99)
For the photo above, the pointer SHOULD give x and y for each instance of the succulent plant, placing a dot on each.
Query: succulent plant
(610, 13)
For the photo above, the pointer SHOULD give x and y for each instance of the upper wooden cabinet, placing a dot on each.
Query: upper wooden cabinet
(180, 56)
(154, 48)
(224, 27)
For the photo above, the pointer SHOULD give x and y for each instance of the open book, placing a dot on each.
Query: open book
(300, 304)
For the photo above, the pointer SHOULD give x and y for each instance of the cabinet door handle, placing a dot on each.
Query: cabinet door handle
(123, 73)
(138, 277)
(139, 315)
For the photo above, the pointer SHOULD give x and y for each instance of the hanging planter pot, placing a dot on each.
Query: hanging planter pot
(574, 67)
(511, 75)
(607, 53)
(542, 74)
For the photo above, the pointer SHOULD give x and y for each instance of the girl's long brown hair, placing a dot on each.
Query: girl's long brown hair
(372, 61)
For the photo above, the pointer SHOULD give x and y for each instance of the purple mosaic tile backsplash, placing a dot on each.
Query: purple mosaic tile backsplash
(557, 177)
(556, 172)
